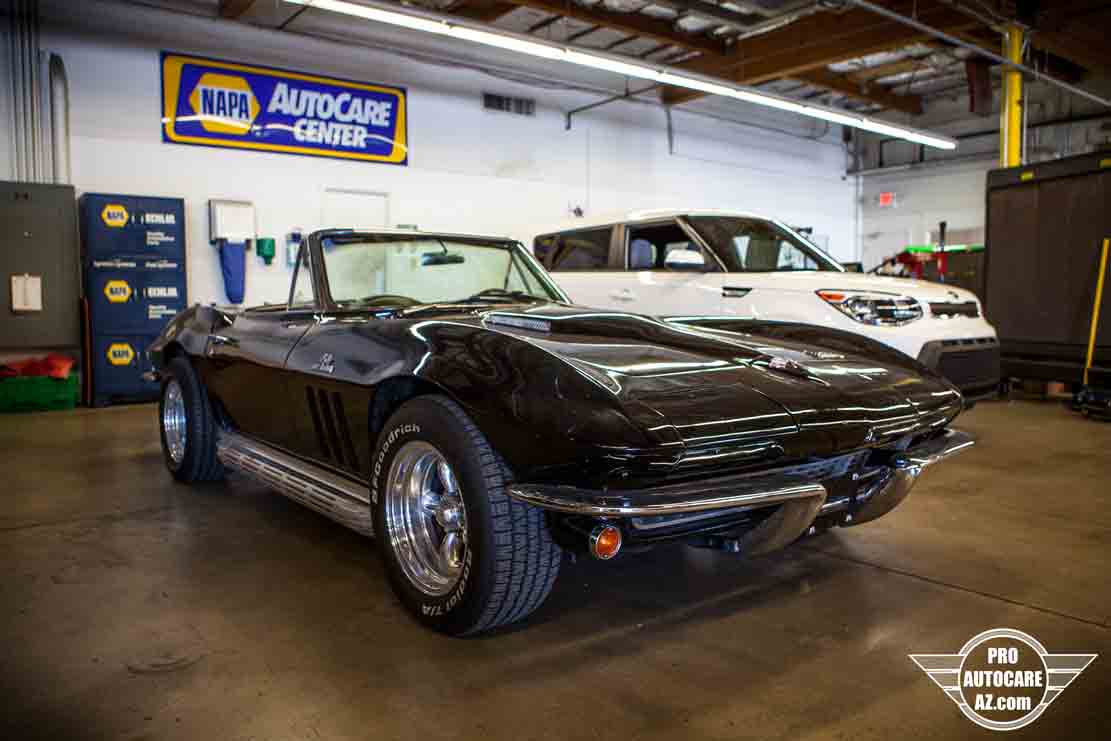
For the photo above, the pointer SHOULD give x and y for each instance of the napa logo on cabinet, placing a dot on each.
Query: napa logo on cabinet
(216, 103)
(117, 291)
(115, 215)
(120, 353)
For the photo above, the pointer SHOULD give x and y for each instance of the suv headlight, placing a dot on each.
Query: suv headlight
(870, 307)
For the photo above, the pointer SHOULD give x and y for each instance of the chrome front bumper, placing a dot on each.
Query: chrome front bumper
(746, 492)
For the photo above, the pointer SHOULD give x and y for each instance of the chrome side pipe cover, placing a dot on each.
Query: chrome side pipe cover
(331, 494)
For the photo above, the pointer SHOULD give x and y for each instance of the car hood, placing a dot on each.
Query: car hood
(728, 393)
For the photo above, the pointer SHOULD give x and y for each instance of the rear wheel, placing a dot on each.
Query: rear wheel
(187, 425)
(462, 555)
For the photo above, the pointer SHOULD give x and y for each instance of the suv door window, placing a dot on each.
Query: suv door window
(649, 245)
(758, 245)
(580, 250)
(761, 253)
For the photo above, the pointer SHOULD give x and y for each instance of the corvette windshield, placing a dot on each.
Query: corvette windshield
(406, 270)
(760, 246)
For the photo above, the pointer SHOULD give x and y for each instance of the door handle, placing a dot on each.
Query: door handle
(734, 292)
(624, 294)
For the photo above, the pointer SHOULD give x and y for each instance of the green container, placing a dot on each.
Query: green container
(264, 247)
(38, 393)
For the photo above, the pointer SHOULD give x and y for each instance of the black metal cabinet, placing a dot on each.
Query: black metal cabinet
(1045, 227)
(38, 237)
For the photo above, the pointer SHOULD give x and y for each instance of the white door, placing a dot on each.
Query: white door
(355, 209)
(668, 273)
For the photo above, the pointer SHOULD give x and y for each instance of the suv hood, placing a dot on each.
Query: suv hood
(810, 281)
(721, 393)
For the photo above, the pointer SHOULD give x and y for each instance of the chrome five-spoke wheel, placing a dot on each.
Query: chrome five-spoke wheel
(425, 517)
(173, 421)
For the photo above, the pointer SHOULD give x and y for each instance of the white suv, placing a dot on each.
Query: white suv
(687, 264)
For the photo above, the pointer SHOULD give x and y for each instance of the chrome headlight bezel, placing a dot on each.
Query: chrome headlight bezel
(874, 308)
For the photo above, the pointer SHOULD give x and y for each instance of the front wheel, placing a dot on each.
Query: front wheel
(187, 425)
(462, 556)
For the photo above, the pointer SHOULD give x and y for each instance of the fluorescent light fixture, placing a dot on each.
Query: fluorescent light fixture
(512, 43)
(396, 15)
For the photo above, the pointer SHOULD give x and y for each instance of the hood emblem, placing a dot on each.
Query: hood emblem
(824, 355)
(326, 364)
(786, 365)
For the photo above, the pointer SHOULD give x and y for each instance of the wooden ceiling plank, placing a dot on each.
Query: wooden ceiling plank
(233, 9)
(484, 13)
(828, 40)
(631, 23)
(824, 78)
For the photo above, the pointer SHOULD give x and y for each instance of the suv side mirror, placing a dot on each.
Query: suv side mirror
(685, 260)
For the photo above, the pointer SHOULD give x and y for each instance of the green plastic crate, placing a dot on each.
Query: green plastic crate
(38, 393)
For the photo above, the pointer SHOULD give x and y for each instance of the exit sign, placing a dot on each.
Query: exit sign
(887, 199)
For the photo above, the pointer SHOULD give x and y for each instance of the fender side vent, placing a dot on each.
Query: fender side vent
(344, 432)
(328, 422)
(316, 425)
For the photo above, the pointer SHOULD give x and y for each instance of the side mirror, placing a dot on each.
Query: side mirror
(685, 260)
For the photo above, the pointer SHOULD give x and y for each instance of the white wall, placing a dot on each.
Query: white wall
(952, 193)
(469, 170)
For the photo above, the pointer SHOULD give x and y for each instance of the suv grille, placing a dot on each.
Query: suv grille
(954, 308)
(968, 369)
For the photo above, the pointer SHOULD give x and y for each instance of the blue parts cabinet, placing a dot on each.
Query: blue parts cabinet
(134, 268)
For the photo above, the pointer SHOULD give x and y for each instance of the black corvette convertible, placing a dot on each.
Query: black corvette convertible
(439, 391)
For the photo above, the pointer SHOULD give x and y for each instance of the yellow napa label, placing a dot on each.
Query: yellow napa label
(117, 291)
(115, 215)
(1105, 162)
(1026, 176)
(224, 104)
(120, 353)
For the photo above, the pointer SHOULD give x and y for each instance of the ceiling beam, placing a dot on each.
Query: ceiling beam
(233, 9)
(887, 69)
(632, 23)
(824, 78)
(1095, 57)
(483, 13)
(814, 42)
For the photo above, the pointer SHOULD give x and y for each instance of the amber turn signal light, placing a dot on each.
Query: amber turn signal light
(605, 542)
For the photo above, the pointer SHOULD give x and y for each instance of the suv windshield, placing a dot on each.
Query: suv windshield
(406, 270)
(747, 244)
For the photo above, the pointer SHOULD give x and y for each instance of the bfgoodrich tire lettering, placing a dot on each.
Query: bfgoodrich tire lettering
(510, 562)
(198, 462)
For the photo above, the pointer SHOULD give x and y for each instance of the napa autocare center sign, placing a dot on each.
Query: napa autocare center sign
(216, 103)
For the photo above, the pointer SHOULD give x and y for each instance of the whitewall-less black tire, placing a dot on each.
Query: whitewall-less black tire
(461, 554)
(186, 424)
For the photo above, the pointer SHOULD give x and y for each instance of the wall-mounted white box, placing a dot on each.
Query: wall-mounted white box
(233, 221)
(26, 293)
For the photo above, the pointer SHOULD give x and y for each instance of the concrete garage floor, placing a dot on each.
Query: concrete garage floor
(134, 608)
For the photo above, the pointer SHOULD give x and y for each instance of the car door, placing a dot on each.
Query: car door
(584, 263)
(667, 271)
(247, 366)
